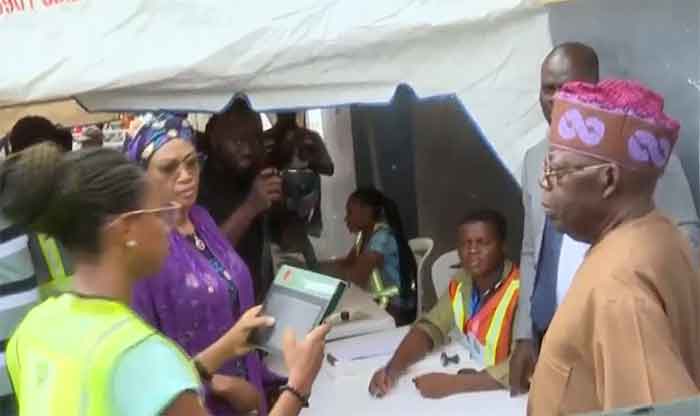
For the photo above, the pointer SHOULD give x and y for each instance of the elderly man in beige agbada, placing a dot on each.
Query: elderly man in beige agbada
(628, 330)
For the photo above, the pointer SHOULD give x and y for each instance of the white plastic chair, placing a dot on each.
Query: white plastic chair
(421, 247)
(444, 270)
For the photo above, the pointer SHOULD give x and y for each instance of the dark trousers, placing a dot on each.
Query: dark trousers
(8, 406)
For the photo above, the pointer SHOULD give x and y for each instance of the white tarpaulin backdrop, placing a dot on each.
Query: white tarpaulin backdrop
(194, 55)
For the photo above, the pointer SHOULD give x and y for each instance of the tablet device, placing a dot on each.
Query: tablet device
(299, 300)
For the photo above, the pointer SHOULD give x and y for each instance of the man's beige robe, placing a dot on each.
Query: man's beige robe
(628, 330)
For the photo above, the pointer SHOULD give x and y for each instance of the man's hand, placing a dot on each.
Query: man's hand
(467, 371)
(266, 190)
(436, 385)
(382, 382)
(522, 366)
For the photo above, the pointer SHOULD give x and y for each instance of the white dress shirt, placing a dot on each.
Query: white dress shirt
(570, 258)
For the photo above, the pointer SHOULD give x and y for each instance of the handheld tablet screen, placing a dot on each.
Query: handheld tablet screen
(289, 312)
(298, 300)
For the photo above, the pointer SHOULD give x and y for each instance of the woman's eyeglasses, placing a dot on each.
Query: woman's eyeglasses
(167, 213)
(192, 164)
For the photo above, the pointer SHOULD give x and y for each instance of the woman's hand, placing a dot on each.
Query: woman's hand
(233, 343)
(238, 392)
(236, 339)
(304, 359)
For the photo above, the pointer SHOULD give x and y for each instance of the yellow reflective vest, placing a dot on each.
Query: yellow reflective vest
(52, 265)
(62, 356)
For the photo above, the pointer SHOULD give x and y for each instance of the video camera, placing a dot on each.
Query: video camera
(302, 191)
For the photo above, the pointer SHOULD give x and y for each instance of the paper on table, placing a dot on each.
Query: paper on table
(343, 390)
(357, 357)
(374, 345)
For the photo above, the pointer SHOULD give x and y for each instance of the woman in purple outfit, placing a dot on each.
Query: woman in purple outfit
(204, 286)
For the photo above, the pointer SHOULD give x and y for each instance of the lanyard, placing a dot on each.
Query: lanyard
(219, 267)
(477, 300)
(475, 303)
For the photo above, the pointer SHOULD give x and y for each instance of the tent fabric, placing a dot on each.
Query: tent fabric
(172, 54)
(67, 113)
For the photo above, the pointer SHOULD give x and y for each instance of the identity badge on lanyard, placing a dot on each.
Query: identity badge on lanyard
(476, 350)
(468, 340)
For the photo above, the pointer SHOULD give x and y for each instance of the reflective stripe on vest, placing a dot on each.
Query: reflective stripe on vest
(56, 264)
(382, 294)
(66, 369)
(455, 290)
(489, 330)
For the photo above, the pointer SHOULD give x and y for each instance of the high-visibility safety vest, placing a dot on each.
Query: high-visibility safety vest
(62, 356)
(52, 265)
(381, 293)
(488, 332)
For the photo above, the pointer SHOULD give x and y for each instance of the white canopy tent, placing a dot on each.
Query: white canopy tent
(170, 54)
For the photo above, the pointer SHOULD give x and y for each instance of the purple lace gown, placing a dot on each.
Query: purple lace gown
(191, 303)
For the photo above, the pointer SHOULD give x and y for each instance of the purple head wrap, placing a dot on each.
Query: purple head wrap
(154, 134)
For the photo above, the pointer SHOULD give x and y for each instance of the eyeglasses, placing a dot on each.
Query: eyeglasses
(546, 181)
(192, 163)
(167, 214)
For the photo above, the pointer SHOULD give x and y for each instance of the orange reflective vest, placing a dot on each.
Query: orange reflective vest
(488, 332)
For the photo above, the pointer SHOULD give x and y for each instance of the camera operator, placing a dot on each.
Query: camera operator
(301, 157)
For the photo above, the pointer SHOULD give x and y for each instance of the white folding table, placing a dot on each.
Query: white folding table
(354, 298)
(342, 389)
